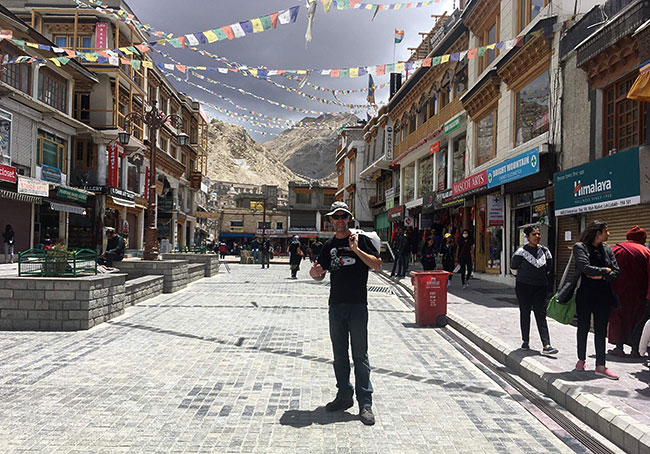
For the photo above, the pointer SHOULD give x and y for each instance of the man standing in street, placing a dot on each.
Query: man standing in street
(347, 257)
(266, 250)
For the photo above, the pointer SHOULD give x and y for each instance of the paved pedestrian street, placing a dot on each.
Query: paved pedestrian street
(241, 362)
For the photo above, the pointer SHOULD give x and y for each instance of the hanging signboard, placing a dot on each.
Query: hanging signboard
(513, 169)
(101, 35)
(33, 187)
(496, 210)
(51, 174)
(7, 173)
(452, 125)
(388, 141)
(434, 148)
(66, 192)
(472, 183)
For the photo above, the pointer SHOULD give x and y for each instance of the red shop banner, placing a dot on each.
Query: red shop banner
(7, 173)
(474, 182)
(101, 35)
(115, 152)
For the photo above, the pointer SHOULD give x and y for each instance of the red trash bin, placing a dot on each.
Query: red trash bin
(430, 297)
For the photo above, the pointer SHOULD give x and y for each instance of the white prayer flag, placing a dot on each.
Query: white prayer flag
(237, 30)
(284, 17)
(192, 39)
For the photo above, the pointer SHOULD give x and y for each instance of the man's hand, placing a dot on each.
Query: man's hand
(317, 272)
(353, 240)
(594, 277)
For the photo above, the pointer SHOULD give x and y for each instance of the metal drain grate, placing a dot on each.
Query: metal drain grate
(380, 289)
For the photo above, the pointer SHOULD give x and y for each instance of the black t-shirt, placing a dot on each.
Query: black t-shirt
(465, 246)
(348, 273)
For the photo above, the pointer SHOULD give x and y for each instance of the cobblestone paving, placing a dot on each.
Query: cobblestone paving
(241, 363)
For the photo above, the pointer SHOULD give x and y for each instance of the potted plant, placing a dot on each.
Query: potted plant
(56, 260)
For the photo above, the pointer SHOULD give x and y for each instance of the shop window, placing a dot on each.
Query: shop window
(458, 167)
(19, 75)
(52, 89)
(528, 10)
(408, 176)
(236, 223)
(260, 225)
(278, 226)
(531, 109)
(488, 37)
(133, 176)
(51, 150)
(425, 173)
(442, 168)
(303, 197)
(624, 118)
(85, 157)
(82, 107)
(486, 138)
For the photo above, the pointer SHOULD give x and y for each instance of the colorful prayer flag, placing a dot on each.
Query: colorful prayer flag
(399, 36)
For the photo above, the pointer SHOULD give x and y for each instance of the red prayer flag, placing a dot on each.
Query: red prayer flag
(472, 53)
(274, 19)
(227, 29)
(520, 41)
(426, 62)
(381, 70)
(335, 73)
(181, 68)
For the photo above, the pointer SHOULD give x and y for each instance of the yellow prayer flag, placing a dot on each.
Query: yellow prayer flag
(326, 5)
(444, 58)
(301, 71)
(55, 61)
(211, 37)
(490, 46)
(253, 71)
(147, 64)
(399, 67)
(398, 6)
(125, 50)
(354, 72)
(34, 45)
(201, 68)
(90, 57)
(257, 25)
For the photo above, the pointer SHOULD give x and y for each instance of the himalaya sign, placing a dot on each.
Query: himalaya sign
(599, 185)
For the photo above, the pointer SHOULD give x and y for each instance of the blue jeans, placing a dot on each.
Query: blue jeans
(403, 263)
(349, 322)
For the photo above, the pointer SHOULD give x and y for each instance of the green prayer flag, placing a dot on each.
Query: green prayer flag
(176, 43)
(435, 61)
(345, 72)
(220, 34)
(266, 22)
(481, 51)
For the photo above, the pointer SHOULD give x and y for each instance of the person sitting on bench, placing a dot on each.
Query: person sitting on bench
(114, 248)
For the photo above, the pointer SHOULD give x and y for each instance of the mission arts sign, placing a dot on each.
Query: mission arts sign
(602, 184)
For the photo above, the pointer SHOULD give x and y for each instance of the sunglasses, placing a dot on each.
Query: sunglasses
(340, 216)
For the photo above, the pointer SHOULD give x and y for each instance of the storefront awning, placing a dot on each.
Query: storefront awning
(640, 91)
(123, 202)
(20, 197)
(66, 207)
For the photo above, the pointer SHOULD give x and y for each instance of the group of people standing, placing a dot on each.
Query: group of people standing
(452, 254)
(611, 285)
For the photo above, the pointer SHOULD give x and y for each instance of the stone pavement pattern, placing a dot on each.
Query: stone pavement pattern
(241, 363)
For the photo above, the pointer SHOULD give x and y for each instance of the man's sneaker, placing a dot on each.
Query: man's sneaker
(340, 403)
(580, 365)
(525, 346)
(548, 350)
(607, 374)
(366, 416)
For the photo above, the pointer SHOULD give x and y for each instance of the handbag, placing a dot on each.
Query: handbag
(456, 268)
(560, 309)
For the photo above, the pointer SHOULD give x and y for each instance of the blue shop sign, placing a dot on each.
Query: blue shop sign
(513, 169)
(51, 174)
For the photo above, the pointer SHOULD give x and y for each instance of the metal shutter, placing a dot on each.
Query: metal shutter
(564, 248)
(619, 220)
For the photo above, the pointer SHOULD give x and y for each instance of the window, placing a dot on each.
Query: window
(328, 199)
(528, 10)
(84, 43)
(82, 107)
(409, 182)
(488, 38)
(303, 197)
(433, 102)
(85, 157)
(52, 89)
(442, 168)
(461, 77)
(260, 225)
(486, 136)
(458, 168)
(17, 75)
(51, 150)
(624, 119)
(412, 120)
(425, 172)
(422, 115)
(5, 133)
(446, 92)
(133, 176)
(164, 145)
(236, 223)
(531, 109)
(278, 226)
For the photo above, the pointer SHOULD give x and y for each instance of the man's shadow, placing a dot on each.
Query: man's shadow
(304, 418)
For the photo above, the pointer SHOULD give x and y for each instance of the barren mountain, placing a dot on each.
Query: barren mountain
(235, 156)
(310, 152)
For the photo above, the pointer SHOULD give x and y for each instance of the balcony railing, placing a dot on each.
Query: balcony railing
(433, 123)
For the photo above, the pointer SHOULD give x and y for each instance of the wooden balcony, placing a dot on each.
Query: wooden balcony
(446, 113)
(195, 180)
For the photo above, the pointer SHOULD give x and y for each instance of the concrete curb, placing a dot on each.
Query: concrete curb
(618, 427)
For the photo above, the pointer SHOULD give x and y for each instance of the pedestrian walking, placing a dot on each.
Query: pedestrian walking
(295, 256)
(533, 263)
(448, 251)
(222, 250)
(596, 267)
(348, 257)
(633, 290)
(316, 247)
(9, 239)
(465, 253)
(428, 255)
(266, 252)
(394, 244)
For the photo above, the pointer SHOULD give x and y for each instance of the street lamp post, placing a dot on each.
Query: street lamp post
(154, 119)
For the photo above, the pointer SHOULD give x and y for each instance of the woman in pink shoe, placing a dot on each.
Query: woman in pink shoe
(596, 267)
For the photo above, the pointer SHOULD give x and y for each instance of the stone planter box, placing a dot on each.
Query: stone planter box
(142, 288)
(174, 272)
(211, 261)
(195, 271)
(60, 304)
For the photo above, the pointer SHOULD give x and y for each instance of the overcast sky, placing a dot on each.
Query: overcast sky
(346, 38)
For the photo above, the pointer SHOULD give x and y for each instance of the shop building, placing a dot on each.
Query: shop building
(308, 205)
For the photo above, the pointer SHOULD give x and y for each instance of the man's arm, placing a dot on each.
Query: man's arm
(369, 259)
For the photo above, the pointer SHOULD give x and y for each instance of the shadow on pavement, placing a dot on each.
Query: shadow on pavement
(305, 418)
(573, 376)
